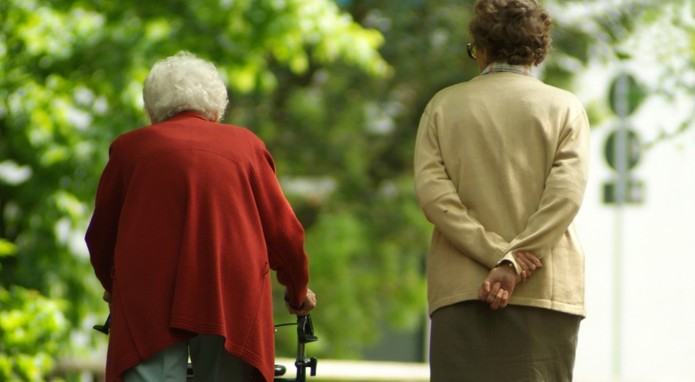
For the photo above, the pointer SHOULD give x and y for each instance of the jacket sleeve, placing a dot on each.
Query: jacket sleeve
(283, 232)
(103, 227)
(441, 204)
(563, 192)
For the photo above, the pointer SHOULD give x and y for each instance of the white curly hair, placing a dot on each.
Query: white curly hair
(184, 82)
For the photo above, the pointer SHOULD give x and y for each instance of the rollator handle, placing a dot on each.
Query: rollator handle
(106, 327)
(305, 330)
(305, 334)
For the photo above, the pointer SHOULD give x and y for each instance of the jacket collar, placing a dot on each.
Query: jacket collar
(497, 67)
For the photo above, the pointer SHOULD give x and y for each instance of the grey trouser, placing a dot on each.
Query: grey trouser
(211, 363)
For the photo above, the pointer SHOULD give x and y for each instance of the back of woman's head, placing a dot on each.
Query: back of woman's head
(513, 31)
(184, 83)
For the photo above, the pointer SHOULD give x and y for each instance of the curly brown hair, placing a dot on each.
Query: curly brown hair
(513, 31)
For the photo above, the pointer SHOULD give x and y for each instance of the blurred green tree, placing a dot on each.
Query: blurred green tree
(71, 75)
(336, 105)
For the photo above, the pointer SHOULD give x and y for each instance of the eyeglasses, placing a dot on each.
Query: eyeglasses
(470, 48)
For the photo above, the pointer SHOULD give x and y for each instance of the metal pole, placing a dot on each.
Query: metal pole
(621, 159)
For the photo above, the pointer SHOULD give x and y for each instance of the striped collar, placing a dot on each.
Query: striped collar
(497, 67)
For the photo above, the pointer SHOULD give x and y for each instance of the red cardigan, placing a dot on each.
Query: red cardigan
(189, 218)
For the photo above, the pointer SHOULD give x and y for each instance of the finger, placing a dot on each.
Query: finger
(310, 306)
(524, 265)
(310, 302)
(524, 275)
(534, 259)
(494, 289)
(484, 291)
(525, 262)
(498, 300)
(496, 296)
(505, 300)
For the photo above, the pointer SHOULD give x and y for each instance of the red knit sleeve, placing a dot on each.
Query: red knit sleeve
(103, 227)
(283, 232)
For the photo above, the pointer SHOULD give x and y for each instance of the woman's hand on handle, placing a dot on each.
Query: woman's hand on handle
(308, 305)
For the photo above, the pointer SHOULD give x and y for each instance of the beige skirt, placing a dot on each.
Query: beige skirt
(471, 342)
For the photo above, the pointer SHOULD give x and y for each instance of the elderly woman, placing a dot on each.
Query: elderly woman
(500, 171)
(189, 218)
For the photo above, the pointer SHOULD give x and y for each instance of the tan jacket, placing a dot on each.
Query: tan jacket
(501, 166)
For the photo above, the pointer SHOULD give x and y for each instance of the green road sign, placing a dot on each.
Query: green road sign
(633, 149)
(626, 95)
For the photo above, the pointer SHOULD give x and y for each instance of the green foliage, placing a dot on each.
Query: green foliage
(654, 37)
(335, 93)
(71, 82)
(33, 329)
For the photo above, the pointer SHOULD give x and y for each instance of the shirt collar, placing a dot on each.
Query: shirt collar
(497, 67)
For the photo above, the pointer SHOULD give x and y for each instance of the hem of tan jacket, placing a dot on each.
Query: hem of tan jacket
(576, 309)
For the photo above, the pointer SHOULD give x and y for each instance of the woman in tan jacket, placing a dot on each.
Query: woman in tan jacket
(500, 171)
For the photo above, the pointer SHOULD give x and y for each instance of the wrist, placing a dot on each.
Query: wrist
(507, 265)
(287, 301)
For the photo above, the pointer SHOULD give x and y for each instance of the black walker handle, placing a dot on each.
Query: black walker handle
(106, 327)
(305, 334)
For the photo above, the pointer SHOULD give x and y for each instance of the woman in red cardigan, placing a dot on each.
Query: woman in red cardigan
(189, 219)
